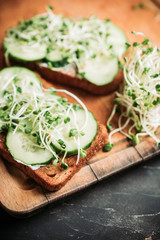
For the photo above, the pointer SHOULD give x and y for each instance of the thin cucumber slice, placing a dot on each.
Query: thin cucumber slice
(22, 74)
(20, 145)
(85, 140)
(101, 70)
(116, 39)
(22, 51)
(55, 55)
(57, 64)
(8, 72)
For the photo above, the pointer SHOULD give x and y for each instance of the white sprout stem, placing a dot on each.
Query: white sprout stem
(77, 140)
(78, 100)
(124, 126)
(14, 92)
(139, 33)
(50, 149)
(112, 114)
(78, 154)
(64, 156)
(118, 130)
(15, 129)
(7, 61)
(7, 83)
(132, 127)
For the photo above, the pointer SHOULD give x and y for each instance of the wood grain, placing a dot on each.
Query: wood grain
(81, 180)
(147, 148)
(115, 162)
(20, 195)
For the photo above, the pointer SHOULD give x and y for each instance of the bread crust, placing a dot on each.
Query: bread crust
(52, 177)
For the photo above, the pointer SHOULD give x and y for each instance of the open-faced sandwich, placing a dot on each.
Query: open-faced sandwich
(42, 133)
(82, 53)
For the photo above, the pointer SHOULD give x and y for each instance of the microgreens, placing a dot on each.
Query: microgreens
(139, 100)
(42, 115)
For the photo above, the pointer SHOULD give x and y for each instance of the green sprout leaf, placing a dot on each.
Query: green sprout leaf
(73, 132)
(107, 147)
(110, 126)
(83, 153)
(64, 165)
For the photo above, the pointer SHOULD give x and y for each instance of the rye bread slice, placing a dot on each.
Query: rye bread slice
(67, 76)
(52, 177)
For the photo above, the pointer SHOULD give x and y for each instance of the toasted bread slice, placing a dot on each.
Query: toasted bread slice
(68, 77)
(52, 177)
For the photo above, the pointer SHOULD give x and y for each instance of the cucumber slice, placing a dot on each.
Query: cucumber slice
(101, 70)
(86, 140)
(22, 51)
(22, 74)
(20, 145)
(55, 55)
(116, 39)
(57, 59)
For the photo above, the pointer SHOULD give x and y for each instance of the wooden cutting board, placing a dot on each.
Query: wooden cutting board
(21, 196)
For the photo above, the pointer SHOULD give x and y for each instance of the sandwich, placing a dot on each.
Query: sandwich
(82, 53)
(47, 133)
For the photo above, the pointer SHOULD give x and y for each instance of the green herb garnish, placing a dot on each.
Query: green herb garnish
(64, 165)
(73, 132)
(108, 147)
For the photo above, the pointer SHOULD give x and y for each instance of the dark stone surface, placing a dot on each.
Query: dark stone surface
(124, 206)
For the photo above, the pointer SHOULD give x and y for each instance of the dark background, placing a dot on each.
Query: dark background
(124, 206)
